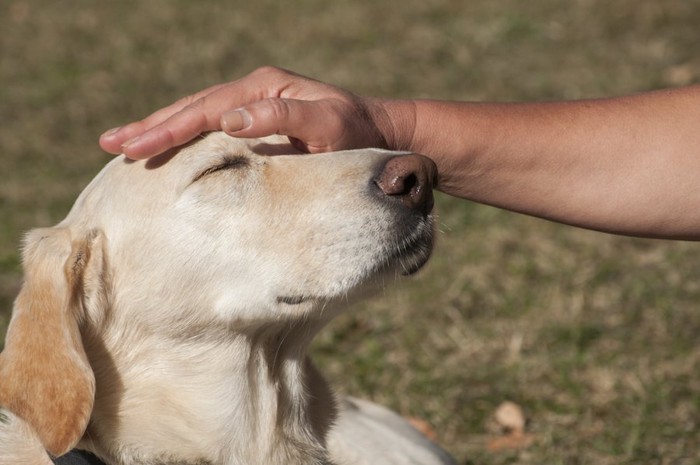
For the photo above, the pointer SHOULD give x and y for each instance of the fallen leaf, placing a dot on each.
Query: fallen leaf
(424, 427)
(510, 441)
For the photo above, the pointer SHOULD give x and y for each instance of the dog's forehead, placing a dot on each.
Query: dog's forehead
(218, 144)
(178, 167)
(213, 147)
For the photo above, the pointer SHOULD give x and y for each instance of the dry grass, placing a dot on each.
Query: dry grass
(594, 335)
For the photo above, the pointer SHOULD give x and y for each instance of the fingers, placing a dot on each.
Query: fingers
(200, 116)
(189, 117)
(167, 128)
(113, 140)
(266, 113)
(318, 124)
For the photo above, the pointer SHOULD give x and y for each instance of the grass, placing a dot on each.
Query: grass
(594, 336)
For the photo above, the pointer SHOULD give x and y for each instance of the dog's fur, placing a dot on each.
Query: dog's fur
(166, 320)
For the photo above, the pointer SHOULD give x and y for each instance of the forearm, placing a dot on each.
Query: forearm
(627, 165)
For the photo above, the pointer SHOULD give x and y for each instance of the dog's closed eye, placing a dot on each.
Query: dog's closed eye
(228, 163)
(292, 299)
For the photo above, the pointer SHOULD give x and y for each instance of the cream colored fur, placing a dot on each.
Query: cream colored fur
(166, 320)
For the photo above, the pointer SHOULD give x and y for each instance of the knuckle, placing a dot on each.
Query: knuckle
(192, 117)
(187, 101)
(197, 104)
(278, 109)
(268, 70)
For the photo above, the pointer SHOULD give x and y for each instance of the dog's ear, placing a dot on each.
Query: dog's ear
(45, 377)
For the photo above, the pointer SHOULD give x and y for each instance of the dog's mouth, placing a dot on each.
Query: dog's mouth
(411, 253)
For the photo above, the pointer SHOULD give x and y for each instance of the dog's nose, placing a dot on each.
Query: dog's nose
(410, 179)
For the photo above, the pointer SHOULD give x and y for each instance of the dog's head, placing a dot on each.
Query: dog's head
(227, 232)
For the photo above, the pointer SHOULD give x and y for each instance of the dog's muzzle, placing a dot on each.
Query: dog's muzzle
(406, 183)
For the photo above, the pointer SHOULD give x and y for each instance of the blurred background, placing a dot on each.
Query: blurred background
(595, 337)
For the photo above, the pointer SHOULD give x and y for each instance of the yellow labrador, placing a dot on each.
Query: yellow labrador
(166, 320)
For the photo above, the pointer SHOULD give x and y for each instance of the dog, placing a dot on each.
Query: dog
(166, 319)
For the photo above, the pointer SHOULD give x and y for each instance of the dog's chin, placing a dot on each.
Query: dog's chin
(410, 255)
(411, 264)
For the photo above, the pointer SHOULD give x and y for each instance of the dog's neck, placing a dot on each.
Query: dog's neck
(252, 394)
(289, 401)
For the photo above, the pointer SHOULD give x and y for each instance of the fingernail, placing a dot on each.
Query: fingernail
(126, 144)
(235, 120)
(111, 132)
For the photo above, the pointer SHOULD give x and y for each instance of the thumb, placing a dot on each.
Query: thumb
(316, 123)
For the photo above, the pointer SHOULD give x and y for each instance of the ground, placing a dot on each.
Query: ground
(593, 336)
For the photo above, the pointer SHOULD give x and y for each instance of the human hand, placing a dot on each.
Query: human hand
(317, 117)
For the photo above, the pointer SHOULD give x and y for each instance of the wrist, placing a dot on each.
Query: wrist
(395, 120)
